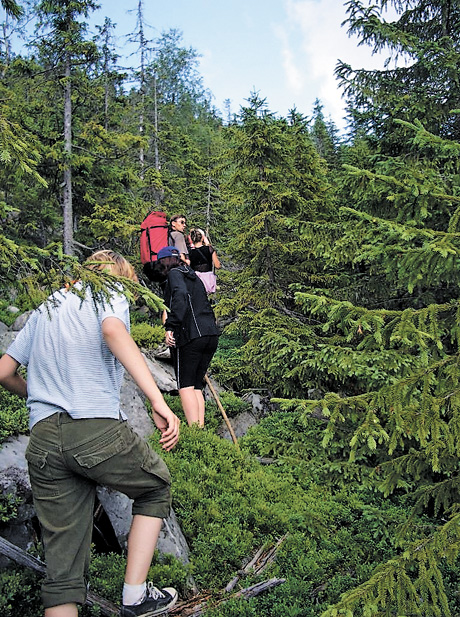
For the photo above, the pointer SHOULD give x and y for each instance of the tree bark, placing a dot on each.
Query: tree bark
(67, 193)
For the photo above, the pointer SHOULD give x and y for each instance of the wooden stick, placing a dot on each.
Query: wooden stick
(29, 561)
(222, 411)
(256, 566)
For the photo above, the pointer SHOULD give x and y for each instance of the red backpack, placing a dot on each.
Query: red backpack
(154, 236)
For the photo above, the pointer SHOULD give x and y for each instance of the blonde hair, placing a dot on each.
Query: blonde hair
(112, 262)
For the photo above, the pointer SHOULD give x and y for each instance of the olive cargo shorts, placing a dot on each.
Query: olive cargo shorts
(67, 459)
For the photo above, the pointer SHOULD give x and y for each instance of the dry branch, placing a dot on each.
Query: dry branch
(186, 609)
(258, 563)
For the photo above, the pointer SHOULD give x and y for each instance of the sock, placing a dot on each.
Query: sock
(133, 594)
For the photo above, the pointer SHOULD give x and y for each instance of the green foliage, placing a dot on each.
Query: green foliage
(8, 507)
(425, 34)
(20, 593)
(147, 336)
(226, 366)
(344, 301)
(7, 317)
(14, 416)
(233, 505)
(276, 181)
(232, 404)
(106, 574)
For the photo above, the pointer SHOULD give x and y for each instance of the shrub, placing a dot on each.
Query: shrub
(232, 404)
(8, 507)
(14, 417)
(226, 364)
(229, 505)
(6, 316)
(20, 593)
(147, 336)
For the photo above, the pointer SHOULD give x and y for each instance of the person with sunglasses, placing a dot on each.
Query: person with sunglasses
(177, 225)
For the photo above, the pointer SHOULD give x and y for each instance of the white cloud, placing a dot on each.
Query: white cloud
(313, 40)
(295, 78)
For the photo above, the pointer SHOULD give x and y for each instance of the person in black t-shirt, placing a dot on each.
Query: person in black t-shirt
(203, 255)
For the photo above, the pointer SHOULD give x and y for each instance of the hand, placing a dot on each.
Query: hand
(168, 424)
(169, 338)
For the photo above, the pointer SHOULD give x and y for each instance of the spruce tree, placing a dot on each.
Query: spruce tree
(380, 341)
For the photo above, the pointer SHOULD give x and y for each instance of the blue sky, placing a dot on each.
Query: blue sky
(284, 49)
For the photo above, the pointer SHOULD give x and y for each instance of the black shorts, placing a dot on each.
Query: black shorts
(191, 361)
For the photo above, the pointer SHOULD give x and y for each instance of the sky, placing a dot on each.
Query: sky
(286, 50)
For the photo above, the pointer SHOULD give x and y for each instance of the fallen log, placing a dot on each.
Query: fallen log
(13, 552)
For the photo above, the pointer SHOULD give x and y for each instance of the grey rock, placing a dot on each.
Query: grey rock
(3, 327)
(118, 508)
(163, 373)
(240, 425)
(6, 338)
(245, 420)
(14, 481)
(21, 321)
(133, 405)
(13, 309)
(12, 453)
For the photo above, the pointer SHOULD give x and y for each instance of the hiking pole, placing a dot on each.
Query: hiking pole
(222, 410)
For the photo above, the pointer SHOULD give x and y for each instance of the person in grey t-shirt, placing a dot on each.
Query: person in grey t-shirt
(177, 225)
(75, 352)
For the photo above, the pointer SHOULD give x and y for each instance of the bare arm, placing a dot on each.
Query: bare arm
(123, 347)
(215, 260)
(9, 377)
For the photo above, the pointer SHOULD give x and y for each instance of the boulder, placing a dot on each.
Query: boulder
(6, 338)
(21, 321)
(14, 484)
(245, 420)
(163, 373)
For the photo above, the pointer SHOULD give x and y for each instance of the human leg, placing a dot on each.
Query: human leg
(64, 504)
(201, 405)
(208, 349)
(191, 406)
(142, 541)
(121, 460)
(63, 610)
(192, 363)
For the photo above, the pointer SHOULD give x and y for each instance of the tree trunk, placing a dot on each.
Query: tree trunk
(142, 45)
(67, 192)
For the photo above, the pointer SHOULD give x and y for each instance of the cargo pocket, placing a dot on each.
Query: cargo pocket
(41, 477)
(97, 457)
(154, 465)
